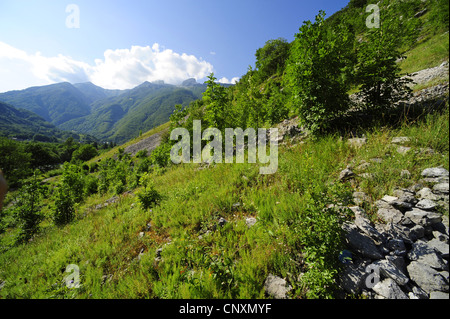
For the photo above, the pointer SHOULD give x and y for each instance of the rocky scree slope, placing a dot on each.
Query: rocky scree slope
(406, 255)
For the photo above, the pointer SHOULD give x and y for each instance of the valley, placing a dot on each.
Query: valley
(107, 115)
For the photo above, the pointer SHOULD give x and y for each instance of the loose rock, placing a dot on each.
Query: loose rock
(426, 204)
(400, 140)
(441, 188)
(250, 221)
(357, 141)
(403, 149)
(390, 215)
(390, 270)
(360, 242)
(276, 287)
(346, 174)
(424, 253)
(426, 277)
(409, 250)
(422, 217)
(389, 290)
(435, 172)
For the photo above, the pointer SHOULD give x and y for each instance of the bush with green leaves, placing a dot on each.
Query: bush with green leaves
(90, 185)
(161, 155)
(315, 74)
(217, 104)
(27, 210)
(378, 72)
(148, 196)
(14, 161)
(64, 210)
(73, 180)
(271, 58)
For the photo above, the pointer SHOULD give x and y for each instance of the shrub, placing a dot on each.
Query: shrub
(84, 153)
(271, 58)
(378, 72)
(64, 211)
(161, 155)
(91, 185)
(141, 154)
(149, 196)
(73, 179)
(314, 73)
(27, 211)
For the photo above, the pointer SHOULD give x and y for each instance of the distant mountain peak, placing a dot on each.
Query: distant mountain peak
(148, 84)
(189, 82)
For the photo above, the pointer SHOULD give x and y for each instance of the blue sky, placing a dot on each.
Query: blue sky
(120, 43)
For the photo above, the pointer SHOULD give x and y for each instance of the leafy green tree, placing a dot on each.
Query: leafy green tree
(84, 153)
(90, 185)
(257, 103)
(216, 99)
(64, 210)
(254, 103)
(378, 72)
(73, 182)
(315, 73)
(271, 58)
(148, 196)
(41, 157)
(178, 116)
(276, 103)
(67, 149)
(161, 155)
(357, 3)
(15, 161)
(27, 210)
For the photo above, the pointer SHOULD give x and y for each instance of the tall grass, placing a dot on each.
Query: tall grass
(427, 54)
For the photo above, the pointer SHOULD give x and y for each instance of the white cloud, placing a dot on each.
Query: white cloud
(224, 80)
(19, 69)
(118, 69)
(126, 68)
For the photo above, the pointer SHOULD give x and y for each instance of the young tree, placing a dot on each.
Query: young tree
(64, 211)
(216, 99)
(15, 161)
(84, 153)
(41, 157)
(73, 181)
(27, 210)
(378, 72)
(315, 73)
(271, 58)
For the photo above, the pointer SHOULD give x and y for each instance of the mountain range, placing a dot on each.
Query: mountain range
(87, 109)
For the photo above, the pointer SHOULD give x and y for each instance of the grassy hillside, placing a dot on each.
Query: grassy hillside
(140, 227)
(296, 236)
